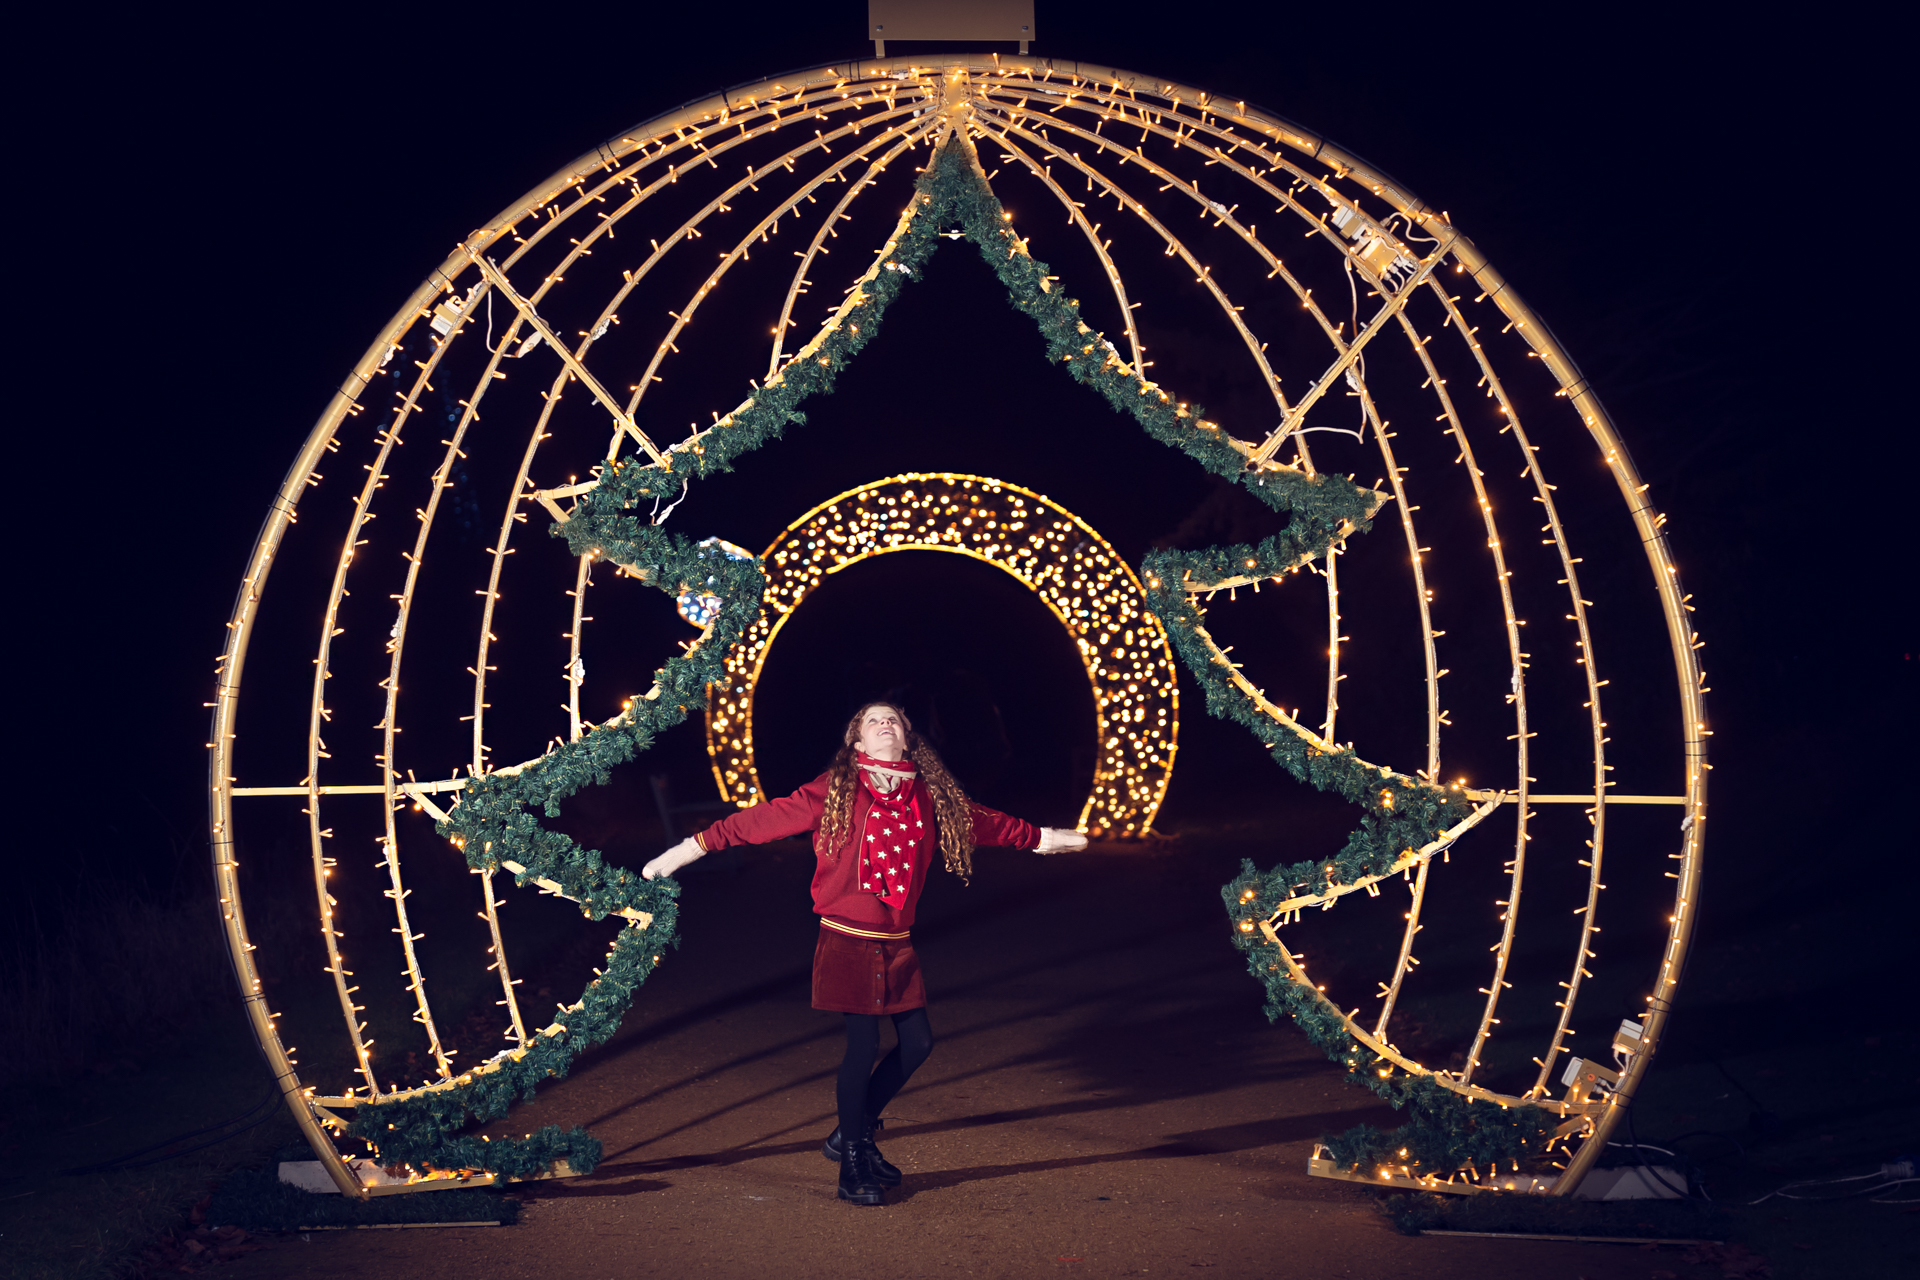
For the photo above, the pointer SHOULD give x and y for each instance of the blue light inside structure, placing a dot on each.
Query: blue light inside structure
(699, 608)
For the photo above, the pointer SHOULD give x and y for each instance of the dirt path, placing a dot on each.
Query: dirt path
(1105, 1098)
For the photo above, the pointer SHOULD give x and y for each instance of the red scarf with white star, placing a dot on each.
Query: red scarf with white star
(894, 830)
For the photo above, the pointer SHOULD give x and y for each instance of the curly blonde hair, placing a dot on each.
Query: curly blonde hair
(952, 811)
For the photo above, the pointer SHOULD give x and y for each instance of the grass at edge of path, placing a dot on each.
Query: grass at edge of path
(54, 1225)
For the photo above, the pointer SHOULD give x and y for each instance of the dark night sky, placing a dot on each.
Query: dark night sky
(219, 211)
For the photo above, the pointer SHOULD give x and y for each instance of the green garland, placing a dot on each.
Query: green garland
(493, 822)
(1400, 813)
(1446, 1132)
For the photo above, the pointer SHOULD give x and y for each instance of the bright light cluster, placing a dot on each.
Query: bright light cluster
(1088, 587)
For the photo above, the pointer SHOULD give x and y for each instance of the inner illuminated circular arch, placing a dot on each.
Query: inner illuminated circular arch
(1054, 553)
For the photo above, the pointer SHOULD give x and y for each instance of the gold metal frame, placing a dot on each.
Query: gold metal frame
(850, 124)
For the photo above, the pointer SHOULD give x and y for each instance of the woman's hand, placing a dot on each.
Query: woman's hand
(1055, 840)
(672, 860)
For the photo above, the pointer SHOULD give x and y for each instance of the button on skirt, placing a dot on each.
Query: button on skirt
(866, 975)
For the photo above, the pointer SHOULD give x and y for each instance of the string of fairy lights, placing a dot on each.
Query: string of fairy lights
(813, 157)
(1083, 582)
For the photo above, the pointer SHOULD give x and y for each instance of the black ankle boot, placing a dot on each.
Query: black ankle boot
(857, 1181)
(834, 1148)
(883, 1169)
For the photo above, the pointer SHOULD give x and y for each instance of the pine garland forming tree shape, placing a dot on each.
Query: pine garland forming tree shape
(494, 822)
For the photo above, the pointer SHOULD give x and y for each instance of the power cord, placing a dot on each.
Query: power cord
(1692, 1173)
(255, 1116)
(1899, 1173)
(1714, 1133)
(1762, 1121)
(1639, 1152)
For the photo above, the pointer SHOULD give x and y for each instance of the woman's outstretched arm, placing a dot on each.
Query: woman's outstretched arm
(775, 820)
(790, 815)
(1060, 840)
(990, 826)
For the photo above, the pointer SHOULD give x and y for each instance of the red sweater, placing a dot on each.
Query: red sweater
(836, 892)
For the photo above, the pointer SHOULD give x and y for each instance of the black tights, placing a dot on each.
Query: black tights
(863, 1090)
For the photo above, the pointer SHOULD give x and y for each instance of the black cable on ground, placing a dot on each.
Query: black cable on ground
(256, 1115)
(211, 1142)
(1686, 1192)
(1714, 1133)
(1887, 1178)
(1762, 1121)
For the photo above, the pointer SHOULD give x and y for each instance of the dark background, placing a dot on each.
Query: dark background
(218, 209)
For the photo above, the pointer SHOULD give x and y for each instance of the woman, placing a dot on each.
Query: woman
(875, 815)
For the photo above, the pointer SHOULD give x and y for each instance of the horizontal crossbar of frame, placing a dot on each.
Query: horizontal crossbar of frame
(375, 1181)
(1321, 1165)
(1489, 801)
(455, 784)
(1508, 797)
(405, 788)
(1671, 1241)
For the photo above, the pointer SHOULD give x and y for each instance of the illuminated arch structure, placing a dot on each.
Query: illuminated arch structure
(1080, 579)
(1353, 309)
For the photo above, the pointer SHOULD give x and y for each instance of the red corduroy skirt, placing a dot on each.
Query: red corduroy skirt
(866, 975)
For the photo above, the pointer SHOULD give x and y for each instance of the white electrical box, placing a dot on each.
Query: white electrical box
(948, 20)
(1627, 1038)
